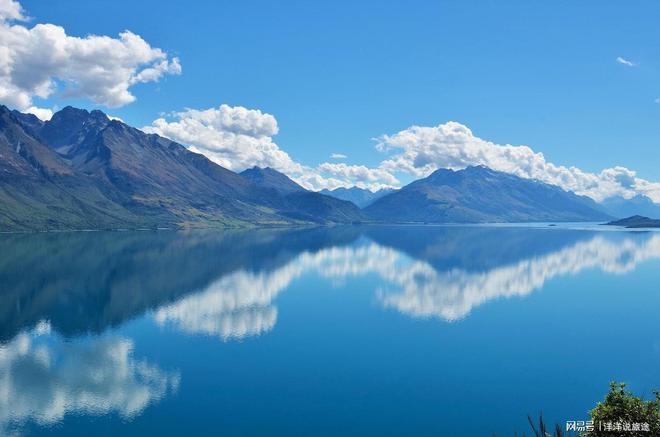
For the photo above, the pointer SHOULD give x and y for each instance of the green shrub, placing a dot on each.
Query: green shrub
(621, 407)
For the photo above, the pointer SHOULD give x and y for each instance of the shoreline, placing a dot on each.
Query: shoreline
(591, 226)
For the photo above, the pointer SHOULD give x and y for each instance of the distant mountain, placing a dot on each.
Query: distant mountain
(639, 205)
(81, 170)
(479, 194)
(636, 221)
(302, 204)
(359, 196)
(317, 207)
(269, 178)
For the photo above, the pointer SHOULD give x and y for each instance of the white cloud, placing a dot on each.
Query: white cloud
(338, 156)
(361, 175)
(238, 138)
(332, 175)
(625, 62)
(421, 150)
(234, 137)
(42, 60)
(314, 180)
(155, 72)
(11, 10)
(43, 114)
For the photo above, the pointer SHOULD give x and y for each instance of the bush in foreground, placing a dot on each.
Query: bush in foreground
(621, 414)
(625, 411)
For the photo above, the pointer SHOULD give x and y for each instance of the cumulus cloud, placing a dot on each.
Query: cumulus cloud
(11, 10)
(234, 137)
(155, 72)
(338, 156)
(360, 174)
(44, 114)
(238, 138)
(42, 60)
(112, 117)
(625, 62)
(313, 180)
(421, 150)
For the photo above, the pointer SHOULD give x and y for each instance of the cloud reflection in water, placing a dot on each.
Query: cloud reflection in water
(241, 304)
(451, 295)
(44, 378)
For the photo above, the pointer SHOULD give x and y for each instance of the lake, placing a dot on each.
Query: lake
(383, 330)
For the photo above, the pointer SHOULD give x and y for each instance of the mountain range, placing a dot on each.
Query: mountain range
(359, 196)
(479, 194)
(639, 205)
(83, 170)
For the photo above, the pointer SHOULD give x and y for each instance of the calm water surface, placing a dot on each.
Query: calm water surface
(447, 331)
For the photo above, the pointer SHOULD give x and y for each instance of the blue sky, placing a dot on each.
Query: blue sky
(337, 75)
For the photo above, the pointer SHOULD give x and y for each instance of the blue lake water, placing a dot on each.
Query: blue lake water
(438, 330)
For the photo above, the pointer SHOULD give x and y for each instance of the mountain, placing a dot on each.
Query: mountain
(479, 194)
(30, 122)
(639, 205)
(81, 170)
(358, 196)
(36, 185)
(269, 178)
(302, 204)
(636, 221)
(317, 207)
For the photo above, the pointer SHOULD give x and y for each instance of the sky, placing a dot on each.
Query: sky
(368, 93)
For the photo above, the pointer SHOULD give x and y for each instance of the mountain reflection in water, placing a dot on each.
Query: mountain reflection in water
(225, 284)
